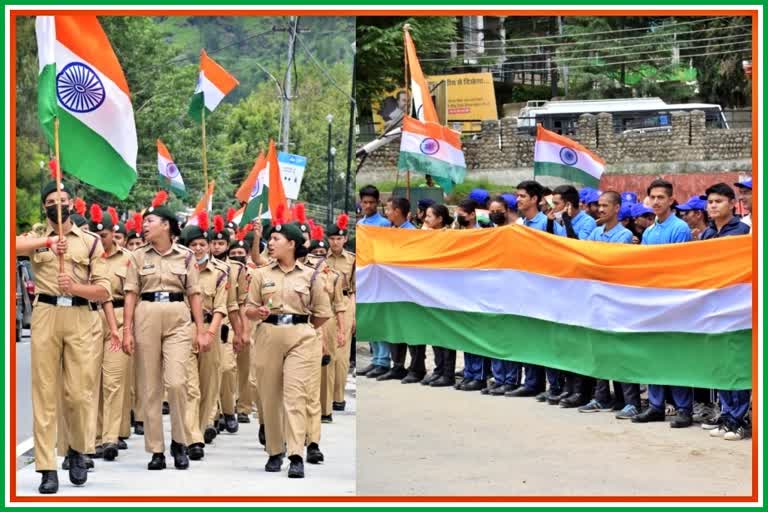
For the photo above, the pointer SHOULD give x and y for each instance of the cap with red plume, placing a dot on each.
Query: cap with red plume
(300, 213)
(202, 221)
(133, 225)
(318, 239)
(160, 209)
(340, 228)
(113, 215)
(129, 226)
(240, 240)
(231, 212)
(279, 215)
(160, 198)
(219, 232)
(289, 231)
(80, 206)
(51, 185)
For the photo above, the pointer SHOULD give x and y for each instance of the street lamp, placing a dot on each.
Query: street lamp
(329, 155)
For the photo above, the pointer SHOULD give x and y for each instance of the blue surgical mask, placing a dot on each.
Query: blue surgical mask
(202, 260)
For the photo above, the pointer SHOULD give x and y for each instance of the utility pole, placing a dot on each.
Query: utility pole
(285, 128)
(565, 66)
(350, 136)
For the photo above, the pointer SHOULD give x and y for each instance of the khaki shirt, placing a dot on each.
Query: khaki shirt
(117, 270)
(175, 271)
(83, 262)
(344, 264)
(333, 282)
(292, 292)
(213, 285)
(240, 273)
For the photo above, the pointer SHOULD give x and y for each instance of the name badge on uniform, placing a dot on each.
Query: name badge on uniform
(267, 284)
(42, 249)
(150, 266)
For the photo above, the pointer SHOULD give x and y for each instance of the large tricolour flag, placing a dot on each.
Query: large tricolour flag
(641, 314)
(204, 204)
(556, 155)
(82, 84)
(426, 146)
(267, 192)
(170, 176)
(213, 83)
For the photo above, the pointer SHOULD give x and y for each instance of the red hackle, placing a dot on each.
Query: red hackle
(342, 221)
(80, 206)
(279, 215)
(97, 214)
(218, 224)
(113, 215)
(300, 213)
(54, 169)
(138, 220)
(202, 221)
(160, 198)
(231, 214)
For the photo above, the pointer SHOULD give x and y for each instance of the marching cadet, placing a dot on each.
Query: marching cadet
(62, 325)
(259, 256)
(230, 343)
(133, 241)
(161, 275)
(115, 364)
(204, 368)
(343, 262)
(289, 304)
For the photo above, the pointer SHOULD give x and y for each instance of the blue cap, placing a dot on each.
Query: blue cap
(425, 203)
(640, 209)
(511, 200)
(694, 203)
(592, 196)
(479, 195)
(745, 184)
(584, 192)
(625, 212)
(629, 198)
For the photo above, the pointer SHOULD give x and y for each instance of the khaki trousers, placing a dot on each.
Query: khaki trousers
(128, 399)
(115, 373)
(314, 409)
(328, 372)
(163, 344)
(341, 362)
(228, 376)
(62, 345)
(283, 364)
(202, 391)
(244, 388)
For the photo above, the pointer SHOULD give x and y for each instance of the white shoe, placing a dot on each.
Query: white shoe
(735, 435)
(718, 432)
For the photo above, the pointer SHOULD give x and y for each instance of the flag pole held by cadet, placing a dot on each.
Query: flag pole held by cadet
(205, 159)
(58, 187)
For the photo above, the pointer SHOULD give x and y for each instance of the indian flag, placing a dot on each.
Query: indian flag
(267, 192)
(204, 204)
(613, 311)
(82, 84)
(213, 83)
(170, 175)
(555, 155)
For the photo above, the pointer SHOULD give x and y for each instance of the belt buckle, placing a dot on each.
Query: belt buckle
(284, 319)
(64, 301)
(162, 297)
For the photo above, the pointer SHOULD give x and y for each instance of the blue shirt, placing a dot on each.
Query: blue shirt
(405, 225)
(582, 224)
(732, 228)
(616, 235)
(672, 231)
(375, 220)
(539, 221)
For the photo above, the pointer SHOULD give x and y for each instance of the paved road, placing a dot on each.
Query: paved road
(23, 391)
(419, 441)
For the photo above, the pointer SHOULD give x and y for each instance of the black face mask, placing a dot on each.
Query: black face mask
(52, 215)
(463, 221)
(240, 259)
(498, 218)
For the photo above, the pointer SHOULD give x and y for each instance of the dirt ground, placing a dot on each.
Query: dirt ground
(415, 440)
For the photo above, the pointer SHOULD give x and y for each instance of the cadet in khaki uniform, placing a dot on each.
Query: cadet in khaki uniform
(203, 368)
(238, 251)
(62, 326)
(258, 245)
(282, 296)
(161, 275)
(133, 241)
(343, 262)
(238, 290)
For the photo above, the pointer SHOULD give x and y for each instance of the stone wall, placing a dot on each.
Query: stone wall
(499, 146)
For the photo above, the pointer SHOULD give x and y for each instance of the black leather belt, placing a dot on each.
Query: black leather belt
(162, 296)
(287, 319)
(118, 303)
(55, 300)
(346, 293)
(207, 318)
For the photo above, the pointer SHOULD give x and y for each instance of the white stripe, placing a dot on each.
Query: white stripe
(545, 151)
(411, 143)
(113, 120)
(579, 302)
(24, 446)
(162, 167)
(211, 94)
(45, 31)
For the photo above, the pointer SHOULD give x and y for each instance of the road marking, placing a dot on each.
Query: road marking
(25, 446)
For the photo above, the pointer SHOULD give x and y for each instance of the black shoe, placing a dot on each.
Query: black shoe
(326, 418)
(682, 420)
(364, 371)
(138, 428)
(98, 453)
(209, 435)
(314, 455)
(110, 451)
(133, 418)
(521, 391)
(243, 418)
(157, 462)
(65, 464)
(49, 483)
(473, 385)
(442, 382)
(393, 374)
(339, 406)
(411, 378)
(179, 454)
(649, 415)
(426, 381)
(88, 460)
(274, 463)
(196, 451)
(166, 408)
(78, 472)
(221, 425)
(377, 372)
(121, 444)
(230, 423)
(574, 400)
(541, 397)
(460, 382)
(501, 390)
(296, 469)
(487, 390)
(262, 435)
(555, 399)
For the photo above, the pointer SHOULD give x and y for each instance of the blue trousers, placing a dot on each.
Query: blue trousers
(534, 377)
(474, 367)
(734, 404)
(380, 353)
(505, 372)
(681, 396)
(555, 379)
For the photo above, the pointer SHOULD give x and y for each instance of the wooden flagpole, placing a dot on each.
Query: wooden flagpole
(58, 187)
(205, 159)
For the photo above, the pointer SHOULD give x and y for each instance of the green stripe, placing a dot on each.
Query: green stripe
(84, 153)
(719, 361)
(252, 209)
(196, 106)
(166, 183)
(565, 172)
(428, 165)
